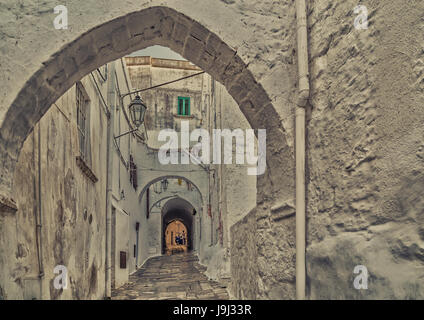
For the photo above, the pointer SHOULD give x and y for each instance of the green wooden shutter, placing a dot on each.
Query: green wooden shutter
(184, 106)
(180, 106)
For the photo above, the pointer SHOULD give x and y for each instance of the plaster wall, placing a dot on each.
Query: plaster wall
(70, 204)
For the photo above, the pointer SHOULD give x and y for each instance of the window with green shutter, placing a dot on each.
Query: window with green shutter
(184, 106)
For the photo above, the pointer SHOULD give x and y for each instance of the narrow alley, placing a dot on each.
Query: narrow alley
(276, 147)
(177, 276)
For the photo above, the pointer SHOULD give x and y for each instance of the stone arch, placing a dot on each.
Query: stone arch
(123, 35)
(181, 213)
(169, 236)
(147, 185)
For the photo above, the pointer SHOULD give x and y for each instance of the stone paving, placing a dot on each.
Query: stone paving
(174, 277)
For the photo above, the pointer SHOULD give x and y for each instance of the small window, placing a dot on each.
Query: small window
(83, 109)
(183, 106)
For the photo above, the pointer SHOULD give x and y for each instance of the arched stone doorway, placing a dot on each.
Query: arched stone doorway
(170, 177)
(180, 212)
(205, 44)
(121, 36)
(176, 237)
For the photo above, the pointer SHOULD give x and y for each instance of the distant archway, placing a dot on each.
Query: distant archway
(176, 240)
(178, 210)
(150, 183)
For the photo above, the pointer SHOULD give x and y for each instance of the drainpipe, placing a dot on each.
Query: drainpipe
(109, 177)
(302, 52)
(39, 219)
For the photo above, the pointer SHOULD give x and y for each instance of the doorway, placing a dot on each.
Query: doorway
(176, 238)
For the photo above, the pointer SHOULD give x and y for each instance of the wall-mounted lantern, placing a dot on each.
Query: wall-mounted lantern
(137, 110)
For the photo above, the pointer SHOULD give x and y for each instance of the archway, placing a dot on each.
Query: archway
(182, 211)
(176, 237)
(123, 35)
(169, 177)
(135, 31)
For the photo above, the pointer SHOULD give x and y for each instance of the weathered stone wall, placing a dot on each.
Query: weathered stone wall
(162, 102)
(244, 258)
(72, 207)
(263, 248)
(364, 158)
(364, 152)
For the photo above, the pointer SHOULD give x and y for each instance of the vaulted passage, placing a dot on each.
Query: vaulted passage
(177, 224)
(175, 237)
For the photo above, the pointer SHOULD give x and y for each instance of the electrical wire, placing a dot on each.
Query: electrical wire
(163, 84)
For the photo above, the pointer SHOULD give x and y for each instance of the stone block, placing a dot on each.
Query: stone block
(206, 60)
(259, 97)
(120, 39)
(224, 56)
(213, 44)
(233, 69)
(35, 82)
(101, 35)
(54, 72)
(180, 34)
(166, 27)
(241, 86)
(199, 32)
(193, 49)
(146, 19)
(84, 51)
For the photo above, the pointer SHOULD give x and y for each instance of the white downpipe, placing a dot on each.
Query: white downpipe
(302, 51)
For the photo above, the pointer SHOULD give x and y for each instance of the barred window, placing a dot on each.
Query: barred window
(83, 105)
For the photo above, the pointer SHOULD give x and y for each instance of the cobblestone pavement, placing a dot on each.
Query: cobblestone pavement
(178, 276)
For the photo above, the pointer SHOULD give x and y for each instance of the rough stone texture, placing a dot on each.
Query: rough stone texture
(263, 254)
(244, 268)
(365, 136)
(392, 252)
(72, 208)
